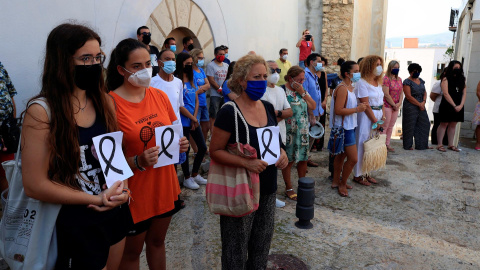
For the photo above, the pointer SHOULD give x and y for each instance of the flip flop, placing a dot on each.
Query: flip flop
(441, 149)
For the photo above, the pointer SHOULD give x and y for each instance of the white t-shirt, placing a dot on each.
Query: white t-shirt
(278, 98)
(174, 91)
(437, 89)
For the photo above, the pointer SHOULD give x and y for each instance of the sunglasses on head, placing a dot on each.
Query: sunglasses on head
(273, 70)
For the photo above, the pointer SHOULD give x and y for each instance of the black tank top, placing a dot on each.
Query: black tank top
(92, 178)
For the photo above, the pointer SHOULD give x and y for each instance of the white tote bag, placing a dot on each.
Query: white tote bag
(27, 229)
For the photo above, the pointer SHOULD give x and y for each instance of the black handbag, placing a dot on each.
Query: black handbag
(10, 134)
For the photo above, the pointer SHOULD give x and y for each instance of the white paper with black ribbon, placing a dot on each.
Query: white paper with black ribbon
(168, 138)
(268, 140)
(108, 148)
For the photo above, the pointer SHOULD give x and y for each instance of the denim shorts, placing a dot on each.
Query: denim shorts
(202, 114)
(215, 104)
(350, 137)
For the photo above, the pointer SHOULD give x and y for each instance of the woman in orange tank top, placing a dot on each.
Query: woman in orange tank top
(140, 109)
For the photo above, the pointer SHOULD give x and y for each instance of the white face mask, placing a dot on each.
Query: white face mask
(378, 71)
(140, 78)
(285, 56)
(273, 78)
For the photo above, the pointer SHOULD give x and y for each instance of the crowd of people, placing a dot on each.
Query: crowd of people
(60, 164)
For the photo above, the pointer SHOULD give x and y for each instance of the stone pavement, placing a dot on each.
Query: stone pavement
(423, 214)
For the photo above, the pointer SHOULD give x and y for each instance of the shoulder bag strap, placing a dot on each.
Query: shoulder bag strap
(42, 102)
(237, 113)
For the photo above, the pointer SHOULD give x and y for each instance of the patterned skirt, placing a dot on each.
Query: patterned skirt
(476, 115)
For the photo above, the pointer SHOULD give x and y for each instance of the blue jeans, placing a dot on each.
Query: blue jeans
(301, 64)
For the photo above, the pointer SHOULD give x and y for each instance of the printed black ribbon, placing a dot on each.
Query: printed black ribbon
(164, 148)
(266, 146)
(108, 162)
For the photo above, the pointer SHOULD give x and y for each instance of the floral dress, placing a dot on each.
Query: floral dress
(297, 128)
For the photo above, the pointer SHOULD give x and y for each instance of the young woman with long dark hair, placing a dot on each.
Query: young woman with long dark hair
(59, 162)
(451, 108)
(190, 120)
(140, 109)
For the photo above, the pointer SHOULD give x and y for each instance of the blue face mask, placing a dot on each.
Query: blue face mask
(226, 55)
(200, 63)
(256, 89)
(395, 71)
(173, 48)
(318, 67)
(169, 67)
(356, 77)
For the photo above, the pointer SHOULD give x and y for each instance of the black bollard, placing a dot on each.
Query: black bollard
(305, 201)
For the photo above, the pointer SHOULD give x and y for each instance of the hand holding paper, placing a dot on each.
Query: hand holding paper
(268, 140)
(111, 157)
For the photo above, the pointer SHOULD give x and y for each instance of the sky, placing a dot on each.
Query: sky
(419, 17)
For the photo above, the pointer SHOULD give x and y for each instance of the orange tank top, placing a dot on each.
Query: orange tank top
(154, 190)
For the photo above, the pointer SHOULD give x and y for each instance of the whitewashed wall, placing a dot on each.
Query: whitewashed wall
(263, 26)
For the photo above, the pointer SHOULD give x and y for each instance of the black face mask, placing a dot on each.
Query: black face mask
(87, 77)
(188, 69)
(457, 72)
(190, 47)
(146, 40)
(415, 75)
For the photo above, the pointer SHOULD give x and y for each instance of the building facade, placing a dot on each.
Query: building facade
(467, 51)
(243, 25)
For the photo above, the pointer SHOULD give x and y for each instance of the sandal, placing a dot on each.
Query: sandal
(390, 149)
(453, 148)
(361, 180)
(292, 197)
(371, 179)
(441, 148)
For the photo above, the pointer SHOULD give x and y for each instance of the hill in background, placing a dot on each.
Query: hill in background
(435, 40)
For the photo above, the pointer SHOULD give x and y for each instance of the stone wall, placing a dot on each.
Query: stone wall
(337, 31)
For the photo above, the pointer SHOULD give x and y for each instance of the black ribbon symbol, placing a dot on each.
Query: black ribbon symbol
(164, 148)
(266, 146)
(109, 161)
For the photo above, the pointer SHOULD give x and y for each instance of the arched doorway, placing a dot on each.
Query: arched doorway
(180, 18)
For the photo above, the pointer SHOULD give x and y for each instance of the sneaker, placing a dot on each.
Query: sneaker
(200, 180)
(190, 183)
(279, 203)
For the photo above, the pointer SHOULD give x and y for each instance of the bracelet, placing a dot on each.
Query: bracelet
(135, 159)
(304, 94)
(127, 190)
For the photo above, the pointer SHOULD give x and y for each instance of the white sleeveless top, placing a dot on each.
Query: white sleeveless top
(350, 121)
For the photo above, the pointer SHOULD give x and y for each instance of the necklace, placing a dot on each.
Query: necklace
(86, 102)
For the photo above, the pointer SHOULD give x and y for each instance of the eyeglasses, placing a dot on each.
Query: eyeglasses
(146, 33)
(273, 70)
(89, 60)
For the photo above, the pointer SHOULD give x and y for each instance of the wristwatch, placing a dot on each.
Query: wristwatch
(279, 113)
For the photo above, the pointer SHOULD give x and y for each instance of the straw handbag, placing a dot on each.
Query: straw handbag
(374, 153)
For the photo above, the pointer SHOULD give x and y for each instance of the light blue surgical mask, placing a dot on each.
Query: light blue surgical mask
(173, 48)
(356, 77)
(169, 67)
(200, 63)
(226, 55)
(318, 67)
